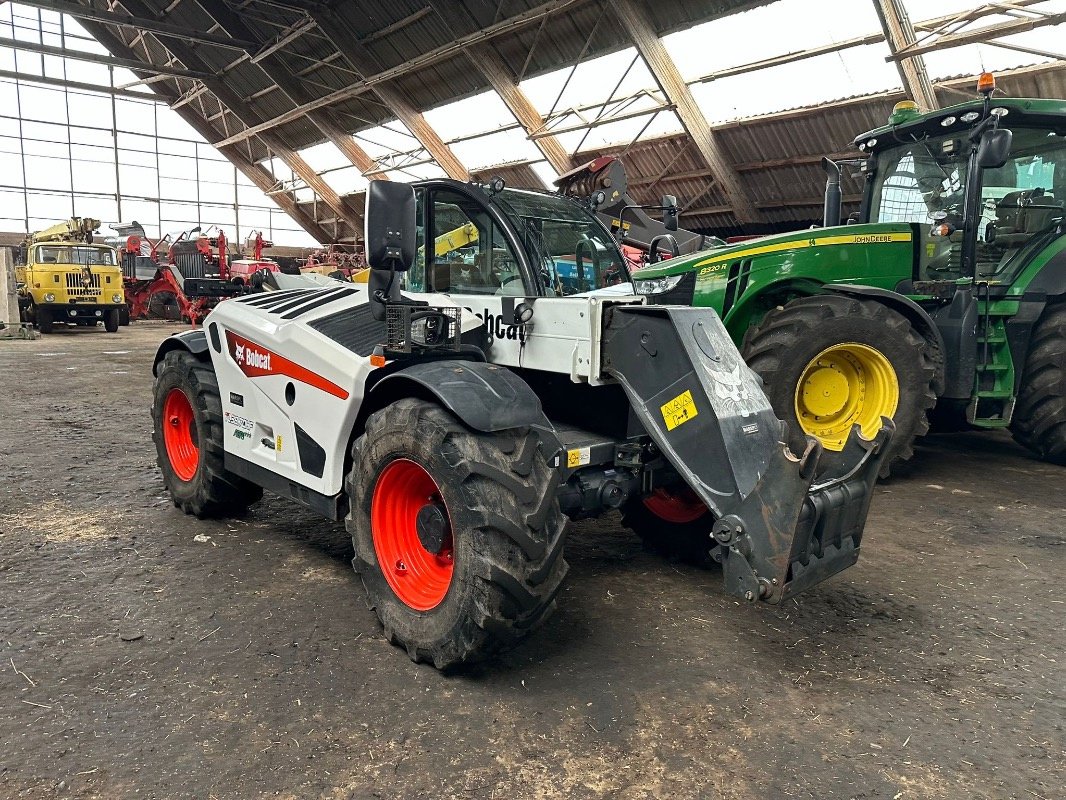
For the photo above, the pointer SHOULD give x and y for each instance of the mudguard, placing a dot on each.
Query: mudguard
(193, 341)
(486, 397)
(706, 411)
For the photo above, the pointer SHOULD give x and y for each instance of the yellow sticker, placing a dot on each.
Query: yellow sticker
(278, 446)
(679, 410)
(578, 457)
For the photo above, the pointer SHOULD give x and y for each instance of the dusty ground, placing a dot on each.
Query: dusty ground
(147, 654)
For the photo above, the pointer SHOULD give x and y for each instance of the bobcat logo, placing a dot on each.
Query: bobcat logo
(238, 353)
(730, 385)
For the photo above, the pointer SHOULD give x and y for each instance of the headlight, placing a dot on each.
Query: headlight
(49, 298)
(656, 285)
(116, 298)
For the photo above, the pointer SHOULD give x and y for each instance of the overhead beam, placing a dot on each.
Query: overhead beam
(96, 58)
(662, 67)
(248, 116)
(487, 60)
(259, 176)
(292, 87)
(413, 64)
(980, 35)
(145, 23)
(899, 34)
(29, 77)
(346, 40)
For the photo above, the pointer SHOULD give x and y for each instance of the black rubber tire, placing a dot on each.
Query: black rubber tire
(1039, 421)
(45, 320)
(508, 532)
(688, 542)
(789, 337)
(213, 490)
(112, 319)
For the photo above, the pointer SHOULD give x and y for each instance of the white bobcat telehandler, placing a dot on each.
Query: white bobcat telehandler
(454, 445)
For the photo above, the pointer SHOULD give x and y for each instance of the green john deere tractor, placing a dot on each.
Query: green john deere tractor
(947, 288)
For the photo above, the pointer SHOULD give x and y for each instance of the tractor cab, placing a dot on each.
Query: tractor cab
(925, 171)
(493, 240)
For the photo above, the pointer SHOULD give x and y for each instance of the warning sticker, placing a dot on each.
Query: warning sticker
(578, 457)
(679, 410)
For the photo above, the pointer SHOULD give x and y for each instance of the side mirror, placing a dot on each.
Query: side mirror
(994, 149)
(670, 212)
(389, 238)
(390, 225)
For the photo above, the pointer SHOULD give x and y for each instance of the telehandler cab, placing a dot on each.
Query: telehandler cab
(455, 454)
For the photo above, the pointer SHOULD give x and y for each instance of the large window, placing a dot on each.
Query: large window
(116, 154)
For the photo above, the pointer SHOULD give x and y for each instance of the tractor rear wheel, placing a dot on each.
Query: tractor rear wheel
(672, 522)
(1040, 414)
(457, 534)
(187, 430)
(830, 362)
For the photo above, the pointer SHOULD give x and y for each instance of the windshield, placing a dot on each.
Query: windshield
(75, 254)
(924, 181)
(575, 253)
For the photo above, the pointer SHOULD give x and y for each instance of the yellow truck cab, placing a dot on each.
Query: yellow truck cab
(65, 277)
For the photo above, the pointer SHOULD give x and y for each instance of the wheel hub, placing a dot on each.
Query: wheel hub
(826, 390)
(434, 531)
(845, 385)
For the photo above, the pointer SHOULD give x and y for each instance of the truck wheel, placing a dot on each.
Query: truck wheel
(673, 523)
(187, 429)
(829, 362)
(457, 534)
(1040, 414)
(44, 320)
(111, 320)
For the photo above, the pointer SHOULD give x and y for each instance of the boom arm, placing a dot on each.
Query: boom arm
(620, 212)
(78, 229)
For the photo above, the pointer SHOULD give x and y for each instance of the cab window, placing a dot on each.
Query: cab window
(466, 252)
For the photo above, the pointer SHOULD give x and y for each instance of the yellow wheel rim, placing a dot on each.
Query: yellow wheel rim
(845, 385)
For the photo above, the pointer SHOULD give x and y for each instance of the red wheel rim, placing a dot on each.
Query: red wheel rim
(679, 507)
(419, 578)
(179, 435)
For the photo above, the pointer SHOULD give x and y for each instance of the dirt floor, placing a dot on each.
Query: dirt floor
(148, 654)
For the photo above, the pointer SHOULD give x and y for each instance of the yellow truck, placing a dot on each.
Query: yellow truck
(65, 277)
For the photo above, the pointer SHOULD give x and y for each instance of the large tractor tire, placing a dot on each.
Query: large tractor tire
(1040, 414)
(829, 362)
(187, 430)
(673, 523)
(44, 319)
(458, 536)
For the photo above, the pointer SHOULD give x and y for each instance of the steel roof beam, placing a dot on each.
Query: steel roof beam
(979, 35)
(899, 34)
(413, 64)
(146, 24)
(346, 40)
(662, 67)
(95, 58)
(292, 87)
(256, 173)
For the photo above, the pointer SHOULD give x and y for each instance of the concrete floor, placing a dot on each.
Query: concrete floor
(148, 654)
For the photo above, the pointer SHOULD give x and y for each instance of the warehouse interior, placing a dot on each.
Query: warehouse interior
(351, 446)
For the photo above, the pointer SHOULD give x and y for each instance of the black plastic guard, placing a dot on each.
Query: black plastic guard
(700, 403)
(788, 535)
(705, 410)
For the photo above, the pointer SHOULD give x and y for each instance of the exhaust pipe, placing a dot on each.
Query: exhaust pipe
(831, 214)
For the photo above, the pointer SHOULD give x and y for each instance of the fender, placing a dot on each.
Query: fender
(194, 341)
(485, 397)
(913, 312)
